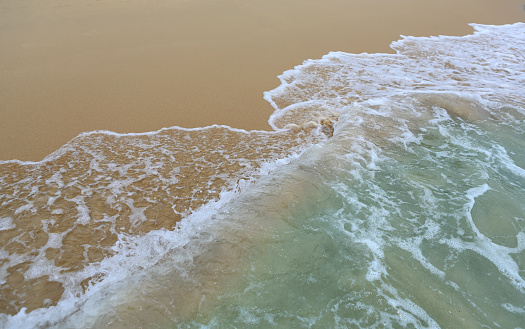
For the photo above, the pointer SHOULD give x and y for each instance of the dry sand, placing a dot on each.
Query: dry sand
(133, 66)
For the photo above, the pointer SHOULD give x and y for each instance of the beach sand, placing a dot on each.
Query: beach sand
(134, 66)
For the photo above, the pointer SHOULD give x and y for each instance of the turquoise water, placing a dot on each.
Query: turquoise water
(411, 215)
(431, 235)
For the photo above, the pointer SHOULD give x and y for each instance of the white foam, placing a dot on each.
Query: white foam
(483, 65)
(409, 312)
(56, 211)
(62, 150)
(26, 207)
(514, 309)
(6, 223)
(133, 255)
(54, 241)
(499, 255)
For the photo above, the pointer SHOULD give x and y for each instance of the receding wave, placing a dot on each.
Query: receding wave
(66, 213)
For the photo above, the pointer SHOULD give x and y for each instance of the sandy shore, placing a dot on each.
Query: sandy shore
(133, 66)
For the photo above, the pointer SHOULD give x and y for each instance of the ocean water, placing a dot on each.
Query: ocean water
(389, 195)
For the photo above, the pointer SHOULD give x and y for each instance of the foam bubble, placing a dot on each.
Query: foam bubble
(462, 65)
(6, 223)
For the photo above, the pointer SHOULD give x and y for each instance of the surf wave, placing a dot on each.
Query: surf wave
(389, 193)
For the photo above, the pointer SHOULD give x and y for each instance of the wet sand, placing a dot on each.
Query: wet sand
(137, 65)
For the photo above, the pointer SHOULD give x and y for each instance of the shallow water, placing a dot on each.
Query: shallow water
(407, 212)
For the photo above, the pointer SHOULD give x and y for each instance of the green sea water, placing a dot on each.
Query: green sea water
(425, 235)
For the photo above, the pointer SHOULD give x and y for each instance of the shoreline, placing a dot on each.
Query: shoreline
(132, 67)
